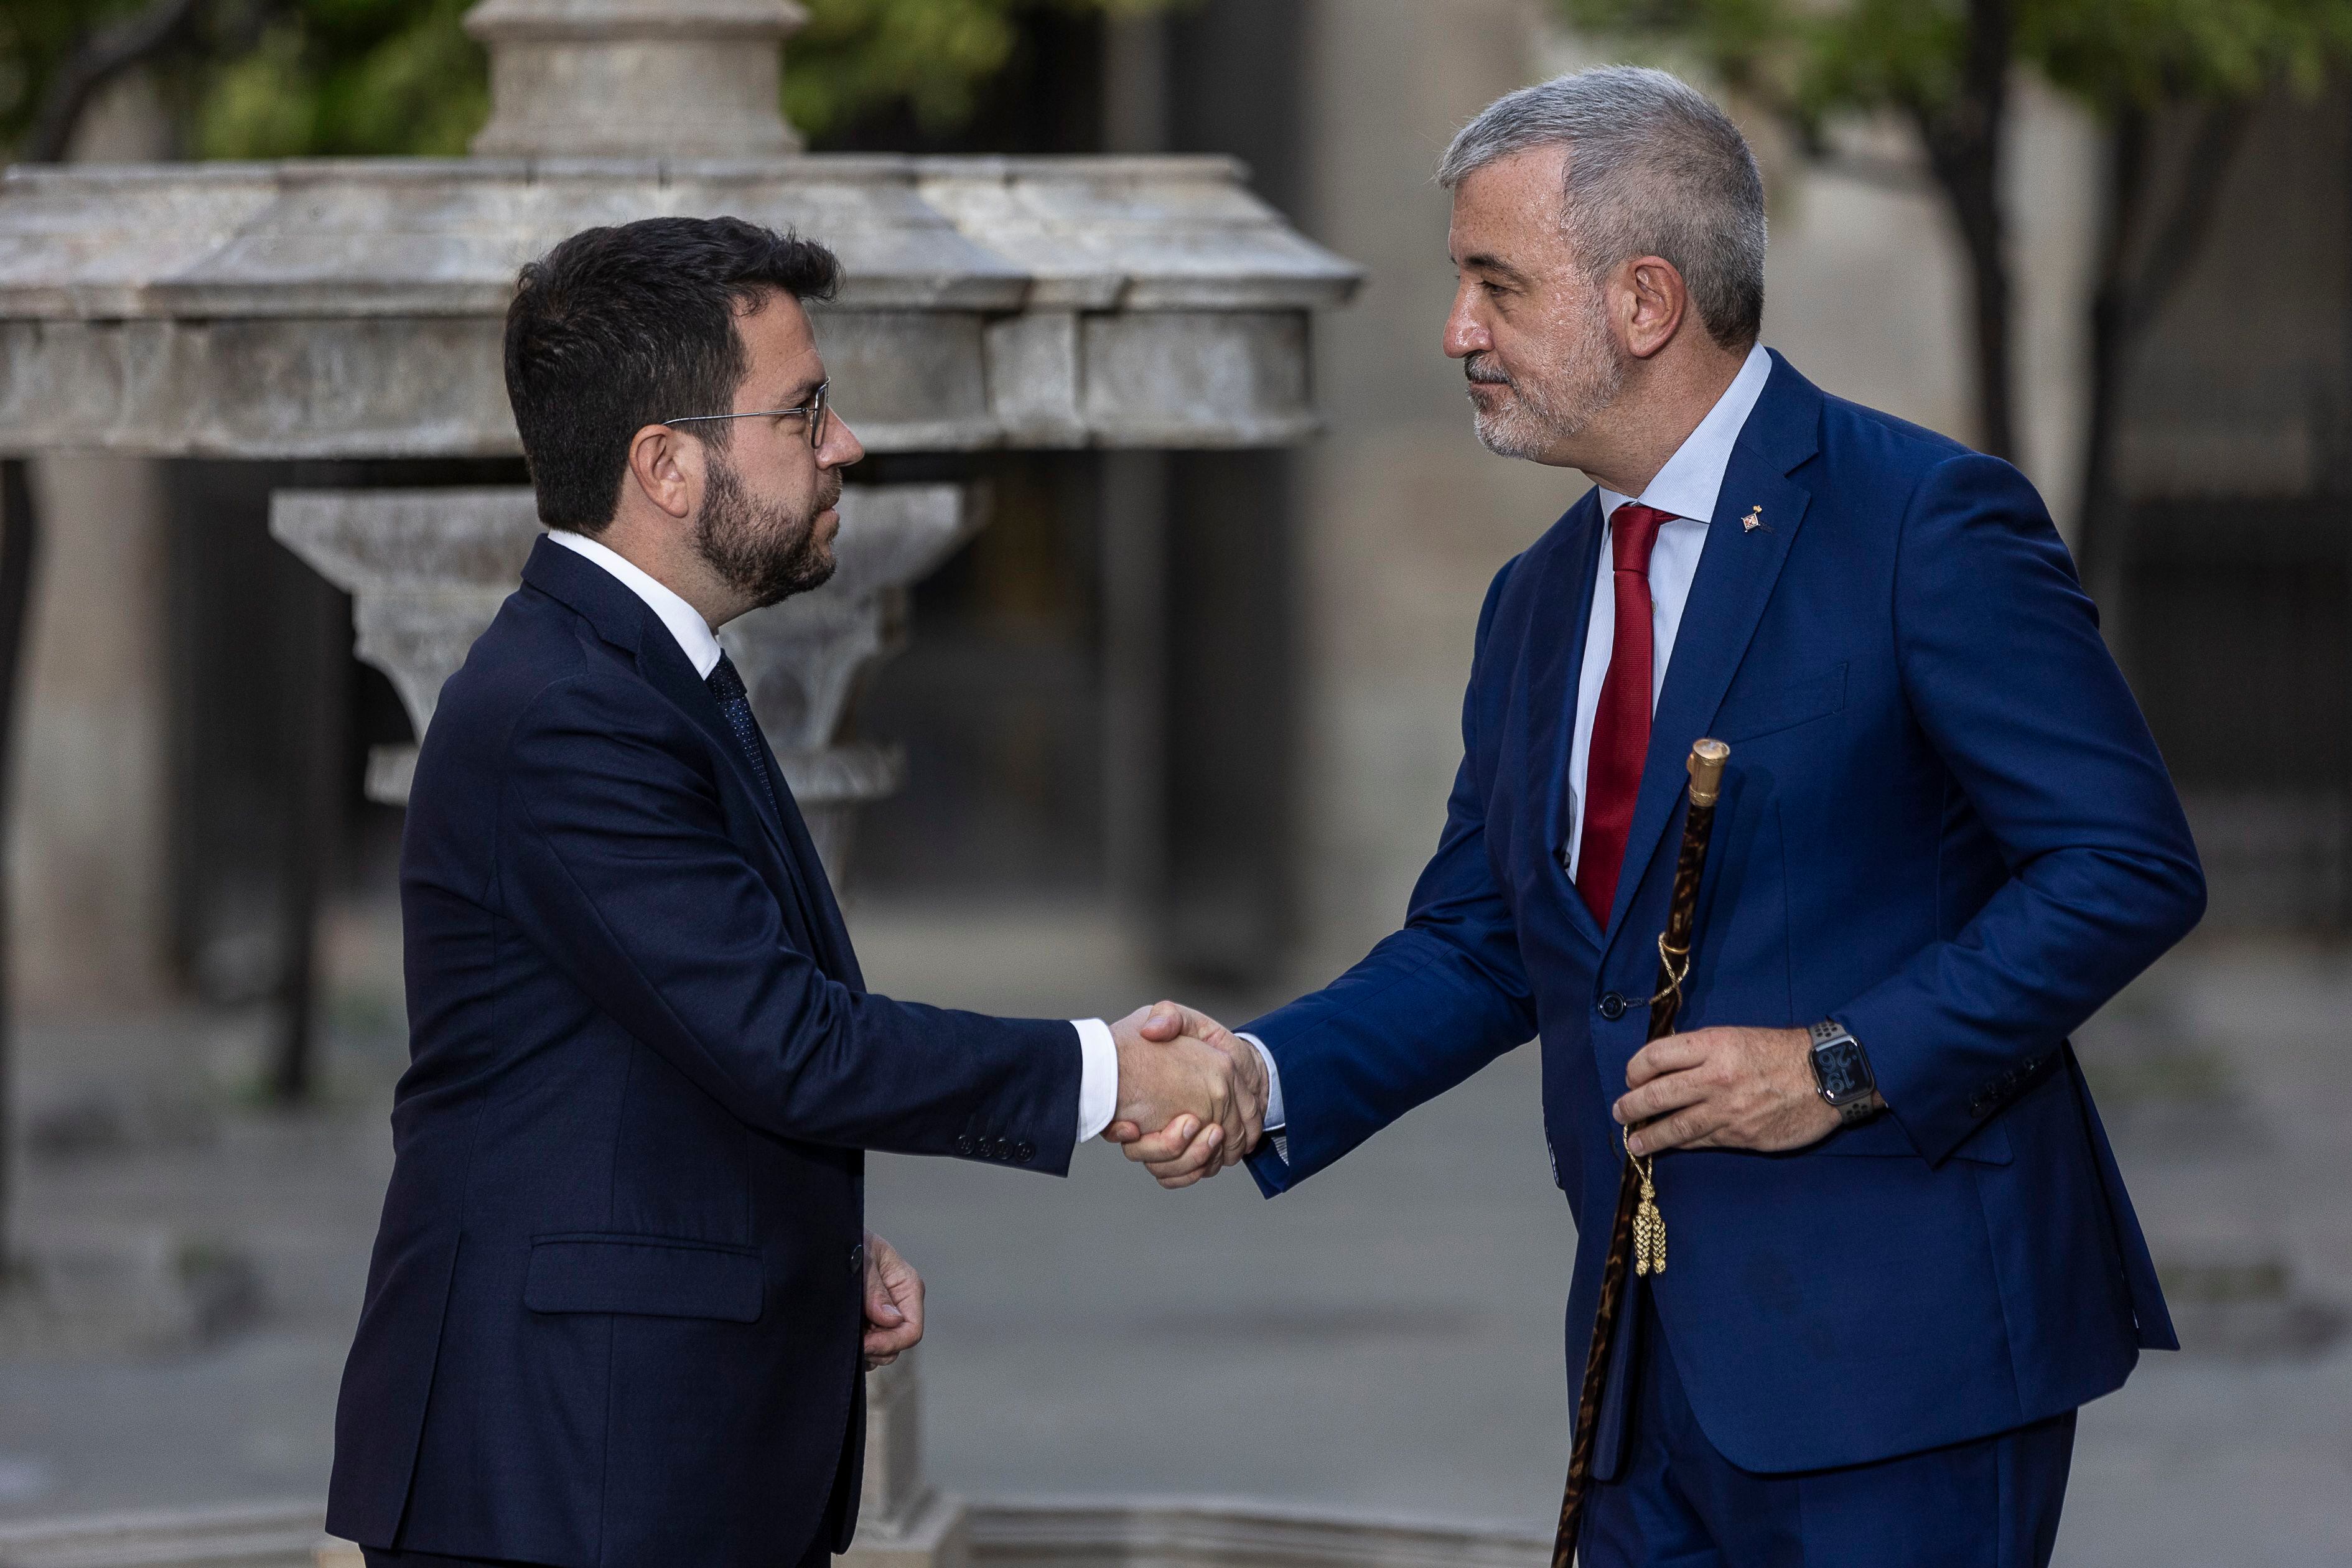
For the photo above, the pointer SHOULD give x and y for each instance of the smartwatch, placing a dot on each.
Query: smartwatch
(1841, 1072)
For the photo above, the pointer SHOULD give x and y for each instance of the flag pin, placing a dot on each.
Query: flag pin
(1754, 520)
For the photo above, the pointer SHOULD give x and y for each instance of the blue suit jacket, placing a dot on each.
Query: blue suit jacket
(1944, 824)
(613, 1313)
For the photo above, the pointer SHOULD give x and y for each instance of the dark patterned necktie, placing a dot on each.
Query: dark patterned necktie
(735, 706)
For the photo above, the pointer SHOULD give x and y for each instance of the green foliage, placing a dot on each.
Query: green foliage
(856, 56)
(2114, 54)
(1811, 61)
(35, 36)
(347, 77)
(265, 79)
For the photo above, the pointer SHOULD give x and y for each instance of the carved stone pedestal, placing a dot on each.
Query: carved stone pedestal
(902, 1521)
(428, 569)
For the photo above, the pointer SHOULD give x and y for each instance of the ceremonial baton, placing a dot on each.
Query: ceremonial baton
(1637, 1236)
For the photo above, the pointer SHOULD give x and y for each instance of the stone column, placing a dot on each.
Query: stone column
(902, 1520)
(91, 858)
(635, 78)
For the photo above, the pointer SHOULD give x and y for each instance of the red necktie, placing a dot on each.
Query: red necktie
(1621, 719)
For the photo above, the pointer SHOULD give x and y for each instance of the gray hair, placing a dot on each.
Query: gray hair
(1654, 169)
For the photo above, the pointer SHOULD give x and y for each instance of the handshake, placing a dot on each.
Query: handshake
(1200, 1089)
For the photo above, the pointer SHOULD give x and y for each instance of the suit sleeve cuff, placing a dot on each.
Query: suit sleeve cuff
(1275, 1120)
(1097, 1077)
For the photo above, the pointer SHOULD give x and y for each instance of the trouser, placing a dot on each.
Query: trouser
(1678, 1503)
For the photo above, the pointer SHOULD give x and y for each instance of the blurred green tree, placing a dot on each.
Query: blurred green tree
(266, 79)
(2174, 82)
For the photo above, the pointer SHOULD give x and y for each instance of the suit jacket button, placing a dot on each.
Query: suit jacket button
(1025, 1150)
(858, 1260)
(964, 1145)
(1612, 1006)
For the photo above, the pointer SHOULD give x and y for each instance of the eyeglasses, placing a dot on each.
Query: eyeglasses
(812, 411)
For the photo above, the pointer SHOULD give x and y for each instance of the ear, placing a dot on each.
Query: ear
(666, 467)
(1649, 301)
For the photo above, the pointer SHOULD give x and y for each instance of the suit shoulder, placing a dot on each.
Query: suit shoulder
(1850, 431)
(537, 661)
(1872, 454)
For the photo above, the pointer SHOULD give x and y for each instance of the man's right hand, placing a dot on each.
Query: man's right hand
(1189, 1147)
(1203, 1088)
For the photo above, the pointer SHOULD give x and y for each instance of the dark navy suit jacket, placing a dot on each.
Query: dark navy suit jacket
(614, 1309)
(1945, 825)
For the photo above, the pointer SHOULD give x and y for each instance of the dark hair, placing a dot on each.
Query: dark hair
(619, 328)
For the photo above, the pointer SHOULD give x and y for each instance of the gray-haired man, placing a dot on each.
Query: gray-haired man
(1901, 1252)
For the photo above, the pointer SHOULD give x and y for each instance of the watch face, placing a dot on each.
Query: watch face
(1843, 1070)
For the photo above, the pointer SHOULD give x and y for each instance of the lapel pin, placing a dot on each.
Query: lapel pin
(1754, 520)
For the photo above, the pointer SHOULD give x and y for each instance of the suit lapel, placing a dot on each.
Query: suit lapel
(823, 911)
(662, 662)
(1555, 673)
(779, 813)
(1737, 571)
(625, 621)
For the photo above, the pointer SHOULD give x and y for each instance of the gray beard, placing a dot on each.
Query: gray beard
(1541, 415)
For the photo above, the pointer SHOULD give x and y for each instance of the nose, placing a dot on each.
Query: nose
(1466, 335)
(842, 447)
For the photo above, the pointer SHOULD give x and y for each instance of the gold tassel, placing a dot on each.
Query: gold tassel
(1649, 1226)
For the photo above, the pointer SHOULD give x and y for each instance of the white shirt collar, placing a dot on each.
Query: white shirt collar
(1693, 477)
(684, 621)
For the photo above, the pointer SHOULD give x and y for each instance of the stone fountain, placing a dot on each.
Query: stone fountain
(352, 308)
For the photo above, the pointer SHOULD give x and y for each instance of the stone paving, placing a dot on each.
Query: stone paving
(1387, 1340)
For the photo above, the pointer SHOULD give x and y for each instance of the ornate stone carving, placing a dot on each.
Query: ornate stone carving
(354, 308)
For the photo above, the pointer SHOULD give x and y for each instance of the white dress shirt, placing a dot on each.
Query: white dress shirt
(1686, 489)
(1098, 1053)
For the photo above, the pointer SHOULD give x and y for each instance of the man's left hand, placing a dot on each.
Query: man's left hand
(894, 1304)
(1725, 1089)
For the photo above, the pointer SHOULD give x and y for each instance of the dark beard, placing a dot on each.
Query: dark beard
(763, 552)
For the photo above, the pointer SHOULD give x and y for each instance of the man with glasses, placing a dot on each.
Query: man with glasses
(623, 1289)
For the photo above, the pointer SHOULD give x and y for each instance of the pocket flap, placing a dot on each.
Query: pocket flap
(644, 1275)
(1769, 712)
(1882, 1137)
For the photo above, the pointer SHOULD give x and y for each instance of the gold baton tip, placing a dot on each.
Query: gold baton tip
(1706, 760)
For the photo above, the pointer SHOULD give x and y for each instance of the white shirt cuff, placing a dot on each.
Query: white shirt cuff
(1275, 1120)
(1097, 1077)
